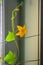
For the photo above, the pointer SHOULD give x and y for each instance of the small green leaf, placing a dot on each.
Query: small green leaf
(10, 37)
(10, 58)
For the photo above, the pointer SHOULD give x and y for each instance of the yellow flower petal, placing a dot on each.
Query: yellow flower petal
(24, 27)
(22, 35)
(26, 31)
(22, 31)
(18, 34)
(19, 28)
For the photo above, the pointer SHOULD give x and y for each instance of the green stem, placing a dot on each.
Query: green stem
(17, 48)
(17, 7)
(14, 13)
(13, 18)
(12, 23)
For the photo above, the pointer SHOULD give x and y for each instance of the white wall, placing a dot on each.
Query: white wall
(31, 20)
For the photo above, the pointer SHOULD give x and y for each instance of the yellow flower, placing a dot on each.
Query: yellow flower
(21, 31)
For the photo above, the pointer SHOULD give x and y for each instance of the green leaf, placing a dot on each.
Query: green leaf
(10, 37)
(10, 58)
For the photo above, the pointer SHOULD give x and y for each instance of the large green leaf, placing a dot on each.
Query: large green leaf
(10, 58)
(10, 37)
